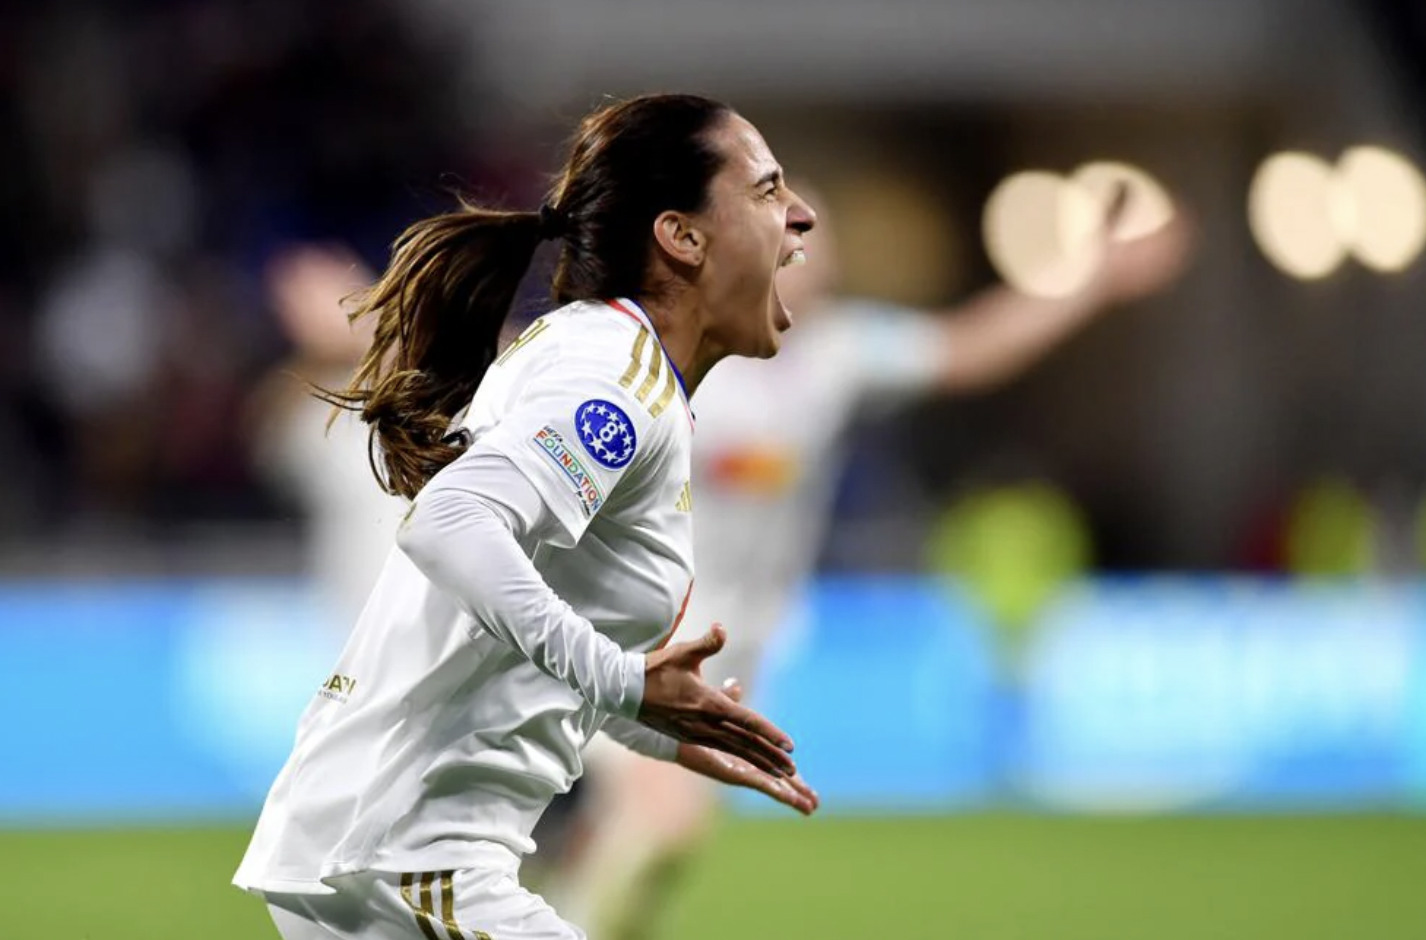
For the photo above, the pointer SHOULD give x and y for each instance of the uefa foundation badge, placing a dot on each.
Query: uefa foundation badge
(606, 432)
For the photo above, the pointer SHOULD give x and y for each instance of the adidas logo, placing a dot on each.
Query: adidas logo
(685, 499)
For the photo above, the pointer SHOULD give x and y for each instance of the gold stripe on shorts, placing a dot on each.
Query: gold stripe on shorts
(448, 910)
(427, 908)
(636, 358)
(448, 906)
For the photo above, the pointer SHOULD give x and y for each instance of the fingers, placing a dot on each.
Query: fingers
(725, 768)
(760, 736)
(750, 720)
(743, 744)
(1114, 209)
(798, 785)
(710, 642)
(697, 650)
(791, 792)
(734, 690)
(778, 759)
(710, 727)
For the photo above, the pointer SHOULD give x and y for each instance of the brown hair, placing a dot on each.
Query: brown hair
(444, 296)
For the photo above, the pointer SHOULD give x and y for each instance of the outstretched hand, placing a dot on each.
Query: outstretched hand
(680, 704)
(790, 791)
(1140, 266)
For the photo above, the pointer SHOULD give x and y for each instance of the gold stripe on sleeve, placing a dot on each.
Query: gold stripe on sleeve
(636, 358)
(652, 378)
(670, 388)
(531, 331)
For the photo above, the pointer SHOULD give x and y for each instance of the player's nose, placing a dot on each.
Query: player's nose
(801, 217)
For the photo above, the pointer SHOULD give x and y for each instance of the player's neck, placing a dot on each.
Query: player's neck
(679, 324)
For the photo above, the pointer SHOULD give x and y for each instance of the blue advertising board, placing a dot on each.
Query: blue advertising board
(1173, 693)
(178, 700)
(889, 688)
(151, 700)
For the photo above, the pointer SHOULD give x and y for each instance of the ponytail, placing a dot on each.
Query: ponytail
(439, 309)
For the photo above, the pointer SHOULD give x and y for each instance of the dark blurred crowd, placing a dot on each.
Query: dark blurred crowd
(158, 159)
(156, 155)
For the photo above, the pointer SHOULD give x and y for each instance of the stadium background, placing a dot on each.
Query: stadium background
(1135, 647)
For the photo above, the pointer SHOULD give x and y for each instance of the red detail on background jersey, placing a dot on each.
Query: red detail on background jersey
(753, 470)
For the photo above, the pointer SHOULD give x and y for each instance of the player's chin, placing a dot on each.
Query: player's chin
(756, 344)
(779, 321)
(768, 344)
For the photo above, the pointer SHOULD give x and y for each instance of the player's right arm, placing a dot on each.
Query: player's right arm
(468, 532)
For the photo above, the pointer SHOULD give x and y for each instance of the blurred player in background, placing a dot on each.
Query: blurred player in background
(766, 460)
(350, 522)
(548, 553)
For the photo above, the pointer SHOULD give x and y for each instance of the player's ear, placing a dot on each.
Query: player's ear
(679, 238)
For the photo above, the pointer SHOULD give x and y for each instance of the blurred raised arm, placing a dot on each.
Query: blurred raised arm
(1000, 333)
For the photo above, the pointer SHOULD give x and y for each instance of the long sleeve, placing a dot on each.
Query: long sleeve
(641, 739)
(468, 532)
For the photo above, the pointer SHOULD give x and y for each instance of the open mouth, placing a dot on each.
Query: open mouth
(782, 317)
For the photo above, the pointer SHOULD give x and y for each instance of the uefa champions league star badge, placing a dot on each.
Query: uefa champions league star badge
(606, 432)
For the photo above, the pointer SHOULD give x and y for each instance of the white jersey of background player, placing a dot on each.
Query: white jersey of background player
(350, 522)
(768, 458)
(435, 742)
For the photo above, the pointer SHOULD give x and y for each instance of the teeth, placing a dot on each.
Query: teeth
(798, 256)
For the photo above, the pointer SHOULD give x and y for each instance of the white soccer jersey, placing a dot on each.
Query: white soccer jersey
(435, 736)
(768, 456)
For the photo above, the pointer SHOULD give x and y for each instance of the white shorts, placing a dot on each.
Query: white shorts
(465, 904)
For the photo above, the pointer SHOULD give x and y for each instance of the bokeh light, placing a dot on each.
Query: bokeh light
(1296, 213)
(1041, 233)
(1307, 216)
(1386, 228)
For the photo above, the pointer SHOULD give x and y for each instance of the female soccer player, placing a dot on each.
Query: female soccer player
(548, 549)
(767, 458)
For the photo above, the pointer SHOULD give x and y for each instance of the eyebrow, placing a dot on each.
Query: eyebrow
(771, 176)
